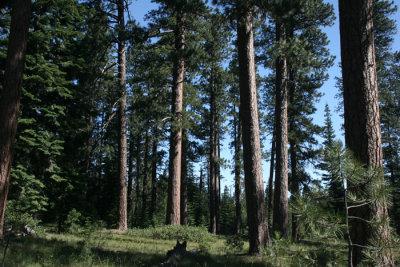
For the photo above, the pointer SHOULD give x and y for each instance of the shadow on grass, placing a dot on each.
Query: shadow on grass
(224, 260)
(37, 251)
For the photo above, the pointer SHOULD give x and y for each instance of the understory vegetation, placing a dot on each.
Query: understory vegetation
(148, 247)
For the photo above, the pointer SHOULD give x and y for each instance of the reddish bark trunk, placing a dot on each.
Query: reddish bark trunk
(175, 154)
(255, 201)
(10, 98)
(184, 200)
(122, 206)
(362, 123)
(281, 206)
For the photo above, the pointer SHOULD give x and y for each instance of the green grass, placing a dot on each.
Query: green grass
(148, 247)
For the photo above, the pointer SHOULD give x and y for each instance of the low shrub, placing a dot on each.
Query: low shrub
(175, 232)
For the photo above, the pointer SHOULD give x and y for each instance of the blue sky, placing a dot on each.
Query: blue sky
(139, 8)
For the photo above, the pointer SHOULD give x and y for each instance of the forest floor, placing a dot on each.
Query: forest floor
(148, 247)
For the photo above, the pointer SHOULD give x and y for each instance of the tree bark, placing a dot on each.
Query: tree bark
(362, 123)
(130, 180)
(153, 207)
(255, 201)
(237, 170)
(294, 190)
(145, 173)
(214, 158)
(184, 200)
(122, 159)
(175, 154)
(294, 179)
(11, 94)
(281, 206)
(271, 175)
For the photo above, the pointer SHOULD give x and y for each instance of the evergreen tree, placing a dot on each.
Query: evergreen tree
(362, 123)
(214, 81)
(255, 202)
(281, 205)
(122, 145)
(11, 94)
(257, 223)
(227, 212)
(178, 12)
(335, 187)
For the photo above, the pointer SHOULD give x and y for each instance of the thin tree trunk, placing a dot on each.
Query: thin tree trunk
(10, 97)
(173, 215)
(238, 179)
(130, 180)
(145, 174)
(218, 182)
(271, 175)
(281, 206)
(294, 179)
(362, 124)
(295, 190)
(153, 207)
(255, 201)
(122, 206)
(214, 161)
(184, 200)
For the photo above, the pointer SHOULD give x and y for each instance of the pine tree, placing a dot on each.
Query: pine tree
(362, 124)
(10, 95)
(258, 225)
(335, 187)
(213, 79)
(255, 202)
(227, 212)
(307, 61)
(178, 13)
(122, 145)
(281, 204)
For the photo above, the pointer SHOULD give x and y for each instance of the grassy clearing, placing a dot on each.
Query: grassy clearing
(148, 247)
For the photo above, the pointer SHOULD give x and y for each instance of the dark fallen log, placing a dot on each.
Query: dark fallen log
(176, 254)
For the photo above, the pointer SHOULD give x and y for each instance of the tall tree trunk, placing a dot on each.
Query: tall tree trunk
(122, 159)
(281, 206)
(255, 201)
(10, 97)
(184, 200)
(130, 180)
(145, 174)
(294, 189)
(238, 179)
(362, 123)
(153, 207)
(218, 182)
(173, 215)
(214, 158)
(294, 179)
(271, 175)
